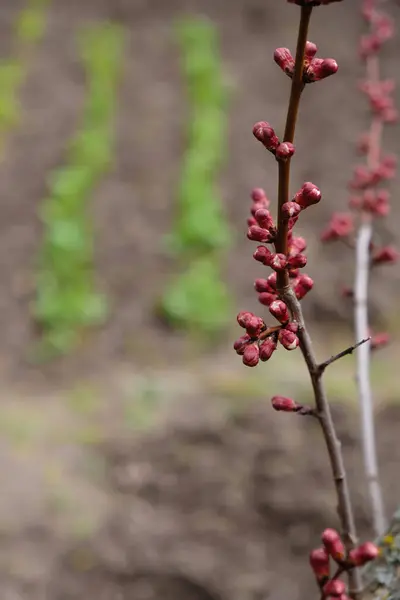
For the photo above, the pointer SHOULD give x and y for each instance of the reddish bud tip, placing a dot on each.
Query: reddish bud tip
(244, 317)
(310, 50)
(262, 255)
(241, 343)
(363, 554)
(298, 261)
(278, 262)
(264, 218)
(267, 348)
(254, 325)
(279, 310)
(266, 298)
(297, 245)
(319, 561)
(334, 587)
(281, 403)
(308, 195)
(290, 209)
(265, 134)
(251, 355)
(333, 544)
(386, 255)
(288, 339)
(302, 286)
(320, 68)
(259, 195)
(284, 151)
(258, 234)
(284, 60)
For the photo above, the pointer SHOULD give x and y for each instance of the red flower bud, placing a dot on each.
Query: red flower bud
(244, 317)
(319, 68)
(284, 60)
(281, 403)
(251, 355)
(293, 327)
(376, 202)
(251, 221)
(258, 234)
(379, 340)
(259, 195)
(307, 195)
(262, 255)
(334, 587)
(310, 51)
(319, 561)
(272, 281)
(333, 544)
(297, 245)
(363, 554)
(341, 225)
(277, 262)
(284, 151)
(265, 134)
(298, 261)
(262, 285)
(241, 343)
(266, 298)
(264, 218)
(288, 339)
(279, 310)
(303, 285)
(267, 348)
(386, 255)
(291, 209)
(254, 325)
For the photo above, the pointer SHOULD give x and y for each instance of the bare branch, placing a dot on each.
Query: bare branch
(335, 357)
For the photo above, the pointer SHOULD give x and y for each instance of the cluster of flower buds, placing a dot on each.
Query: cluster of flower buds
(265, 134)
(333, 549)
(260, 340)
(314, 69)
(368, 200)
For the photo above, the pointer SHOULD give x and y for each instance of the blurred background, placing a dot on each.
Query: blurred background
(139, 458)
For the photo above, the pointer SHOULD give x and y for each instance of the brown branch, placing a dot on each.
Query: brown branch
(335, 357)
(287, 295)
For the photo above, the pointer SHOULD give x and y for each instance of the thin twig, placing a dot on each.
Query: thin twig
(288, 296)
(335, 357)
(362, 270)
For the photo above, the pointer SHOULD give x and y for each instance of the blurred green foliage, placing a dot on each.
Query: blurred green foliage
(67, 300)
(197, 299)
(29, 29)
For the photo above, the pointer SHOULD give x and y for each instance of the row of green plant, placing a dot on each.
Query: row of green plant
(29, 29)
(197, 297)
(67, 300)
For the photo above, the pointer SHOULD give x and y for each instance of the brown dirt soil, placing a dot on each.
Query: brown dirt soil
(213, 503)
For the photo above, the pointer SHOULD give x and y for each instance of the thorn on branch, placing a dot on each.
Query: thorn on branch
(321, 368)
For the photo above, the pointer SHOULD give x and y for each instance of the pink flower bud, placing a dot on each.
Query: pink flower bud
(281, 403)
(262, 285)
(264, 218)
(266, 298)
(251, 221)
(265, 134)
(303, 285)
(386, 255)
(293, 327)
(319, 561)
(278, 262)
(319, 68)
(290, 209)
(259, 196)
(254, 325)
(379, 340)
(310, 51)
(241, 343)
(334, 587)
(333, 544)
(251, 355)
(297, 245)
(288, 339)
(267, 348)
(272, 281)
(284, 151)
(341, 225)
(308, 195)
(244, 317)
(284, 60)
(363, 554)
(279, 310)
(262, 255)
(298, 261)
(258, 234)
(376, 202)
